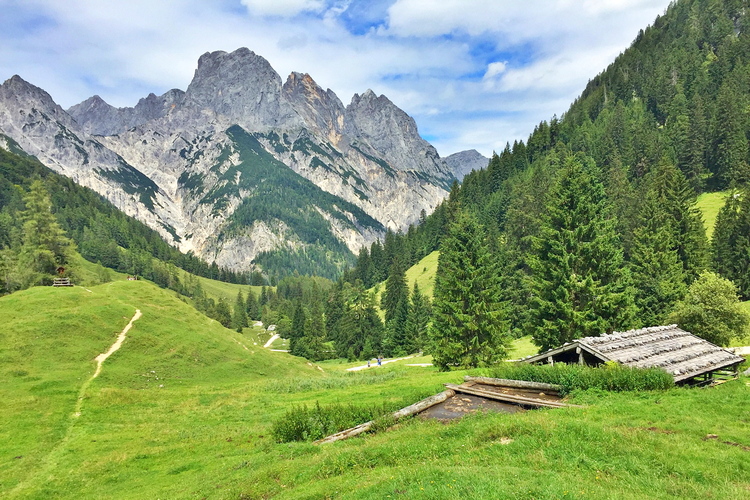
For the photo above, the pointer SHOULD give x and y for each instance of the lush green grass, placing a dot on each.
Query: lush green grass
(523, 347)
(216, 289)
(184, 410)
(710, 204)
(422, 273)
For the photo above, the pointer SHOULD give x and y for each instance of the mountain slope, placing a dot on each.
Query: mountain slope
(169, 160)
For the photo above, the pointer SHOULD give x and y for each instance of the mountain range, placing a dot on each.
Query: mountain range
(241, 168)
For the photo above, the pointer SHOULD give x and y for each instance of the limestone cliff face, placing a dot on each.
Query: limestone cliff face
(192, 164)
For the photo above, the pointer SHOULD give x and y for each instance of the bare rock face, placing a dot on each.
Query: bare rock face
(96, 117)
(190, 164)
(463, 162)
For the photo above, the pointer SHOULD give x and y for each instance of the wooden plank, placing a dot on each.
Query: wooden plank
(509, 397)
(403, 412)
(518, 384)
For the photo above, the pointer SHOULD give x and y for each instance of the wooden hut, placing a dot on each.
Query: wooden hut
(688, 358)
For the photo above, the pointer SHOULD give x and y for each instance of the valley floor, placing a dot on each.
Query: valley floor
(184, 409)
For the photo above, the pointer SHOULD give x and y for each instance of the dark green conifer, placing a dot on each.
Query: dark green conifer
(579, 284)
(469, 326)
(239, 315)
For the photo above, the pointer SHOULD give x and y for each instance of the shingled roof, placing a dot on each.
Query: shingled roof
(682, 354)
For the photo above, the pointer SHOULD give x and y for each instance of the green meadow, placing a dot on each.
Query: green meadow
(185, 407)
(710, 204)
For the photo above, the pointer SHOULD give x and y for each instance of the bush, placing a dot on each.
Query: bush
(609, 377)
(309, 424)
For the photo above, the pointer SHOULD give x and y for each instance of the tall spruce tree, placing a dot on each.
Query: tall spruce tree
(239, 315)
(658, 275)
(252, 308)
(579, 284)
(731, 241)
(44, 245)
(678, 200)
(418, 320)
(469, 327)
(395, 303)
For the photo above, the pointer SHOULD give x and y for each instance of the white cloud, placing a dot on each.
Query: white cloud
(494, 69)
(285, 8)
(473, 73)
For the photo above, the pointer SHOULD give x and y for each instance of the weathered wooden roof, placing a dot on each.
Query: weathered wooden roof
(682, 354)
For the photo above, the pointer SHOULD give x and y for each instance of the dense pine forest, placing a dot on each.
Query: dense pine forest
(590, 225)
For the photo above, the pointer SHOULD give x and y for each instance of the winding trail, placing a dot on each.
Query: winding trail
(271, 340)
(50, 461)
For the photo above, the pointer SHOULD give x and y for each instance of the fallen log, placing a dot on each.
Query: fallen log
(518, 384)
(403, 412)
(525, 401)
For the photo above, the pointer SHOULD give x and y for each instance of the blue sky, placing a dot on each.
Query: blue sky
(473, 73)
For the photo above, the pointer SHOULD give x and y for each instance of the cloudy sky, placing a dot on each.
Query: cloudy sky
(473, 73)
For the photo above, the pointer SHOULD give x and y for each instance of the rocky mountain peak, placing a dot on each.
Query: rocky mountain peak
(321, 110)
(463, 162)
(241, 86)
(19, 89)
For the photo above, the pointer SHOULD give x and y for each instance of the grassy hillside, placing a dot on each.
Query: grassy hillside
(423, 273)
(184, 410)
(709, 204)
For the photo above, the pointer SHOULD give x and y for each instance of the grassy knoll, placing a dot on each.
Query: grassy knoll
(184, 410)
(709, 204)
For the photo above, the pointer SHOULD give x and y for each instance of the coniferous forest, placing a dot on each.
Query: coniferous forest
(588, 226)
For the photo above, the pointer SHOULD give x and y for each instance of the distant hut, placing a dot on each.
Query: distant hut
(688, 358)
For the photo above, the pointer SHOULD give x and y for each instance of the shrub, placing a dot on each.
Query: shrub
(309, 424)
(609, 377)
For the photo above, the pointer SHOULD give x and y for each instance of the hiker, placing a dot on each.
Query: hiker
(379, 361)
(368, 363)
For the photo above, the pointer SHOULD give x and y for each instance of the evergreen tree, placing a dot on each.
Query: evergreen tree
(239, 316)
(658, 274)
(222, 313)
(579, 284)
(311, 345)
(45, 246)
(731, 241)
(395, 303)
(360, 330)
(252, 308)
(298, 328)
(730, 135)
(417, 321)
(674, 196)
(469, 327)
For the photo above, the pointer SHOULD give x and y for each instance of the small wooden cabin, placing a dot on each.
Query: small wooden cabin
(688, 358)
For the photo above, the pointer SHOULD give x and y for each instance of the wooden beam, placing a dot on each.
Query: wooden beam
(518, 384)
(521, 400)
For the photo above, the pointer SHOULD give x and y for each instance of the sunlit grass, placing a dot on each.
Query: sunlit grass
(709, 204)
(184, 410)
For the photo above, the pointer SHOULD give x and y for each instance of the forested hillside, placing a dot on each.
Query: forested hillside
(592, 222)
